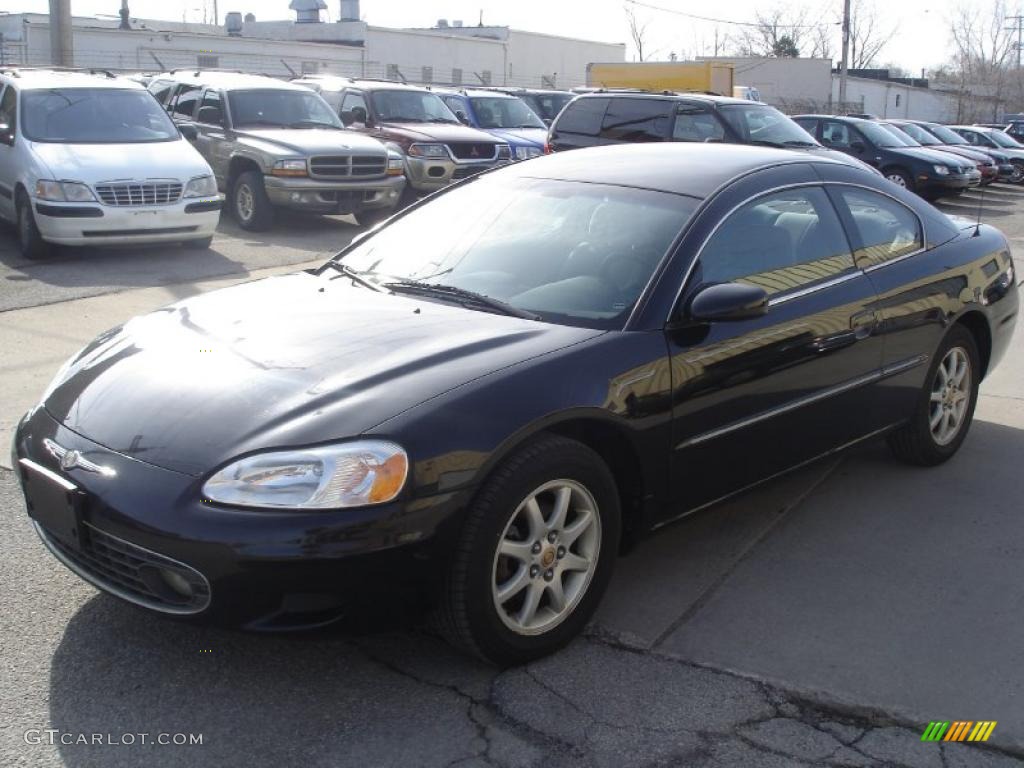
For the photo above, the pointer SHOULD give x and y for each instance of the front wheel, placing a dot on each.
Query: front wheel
(30, 241)
(945, 406)
(900, 178)
(250, 203)
(1017, 177)
(535, 556)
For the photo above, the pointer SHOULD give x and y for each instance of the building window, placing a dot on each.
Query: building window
(485, 77)
(456, 77)
(393, 72)
(897, 99)
(310, 67)
(428, 74)
(207, 62)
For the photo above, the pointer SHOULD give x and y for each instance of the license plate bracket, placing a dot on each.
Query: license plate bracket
(53, 501)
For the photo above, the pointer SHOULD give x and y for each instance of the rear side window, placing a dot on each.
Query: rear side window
(808, 124)
(696, 123)
(184, 104)
(780, 242)
(637, 119)
(583, 117)
(8, 106)
(885, 228)
(161, 89)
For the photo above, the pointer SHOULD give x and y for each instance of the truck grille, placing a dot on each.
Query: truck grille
(129, 571)
(470, 150)
(135, 193)
(345, 166)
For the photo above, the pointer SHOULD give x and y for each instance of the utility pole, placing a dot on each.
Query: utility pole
(62, 53)
(1019, 29)
(845, 63)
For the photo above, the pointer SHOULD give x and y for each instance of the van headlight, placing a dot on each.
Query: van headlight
(352, 474)
(201, 186)
(63, 191)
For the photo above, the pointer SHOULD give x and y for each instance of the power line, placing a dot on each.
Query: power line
(717, 21)
(1019, 29)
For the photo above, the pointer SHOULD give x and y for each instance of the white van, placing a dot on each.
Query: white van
(92, 159)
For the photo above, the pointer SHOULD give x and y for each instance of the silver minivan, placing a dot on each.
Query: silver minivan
(92, 159)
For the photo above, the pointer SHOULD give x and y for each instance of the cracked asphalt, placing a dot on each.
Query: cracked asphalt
(821, 620)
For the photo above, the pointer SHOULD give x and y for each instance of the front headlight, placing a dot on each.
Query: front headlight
(63, 191)
(525, 153)
(504, 152)
(295, 167)
(201, 186)
(941, 170)
(428, 150)
(396, 164)
(329, 477)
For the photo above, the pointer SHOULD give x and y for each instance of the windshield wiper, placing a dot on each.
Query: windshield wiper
(444, 120)
(311, 123)
(765, 143)
(261, 122)
(347, 271)
(799, 143)
(459, 295)
(401, 119)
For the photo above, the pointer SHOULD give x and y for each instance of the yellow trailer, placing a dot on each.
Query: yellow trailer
(707, 76)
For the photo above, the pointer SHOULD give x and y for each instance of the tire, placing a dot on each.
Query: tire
(250, 204)
(200, 244)
(30, 242)
(900, 178)
(374, 216)
(918, 442)
(471, 614)
(1018, 174)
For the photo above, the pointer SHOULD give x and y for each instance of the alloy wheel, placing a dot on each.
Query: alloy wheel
(897, 179)
(1018, 173)
(950, 396)
(244, 202)
(546, 557)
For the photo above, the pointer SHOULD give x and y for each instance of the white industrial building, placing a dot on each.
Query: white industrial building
(792, 84)
(448, 53)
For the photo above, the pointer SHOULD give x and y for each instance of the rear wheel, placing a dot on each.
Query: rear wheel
(250, 204)
(30, 242)
(1017, 177)
(535, 556)
(945, 406)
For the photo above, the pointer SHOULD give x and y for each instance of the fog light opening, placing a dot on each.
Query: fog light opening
(167, 584)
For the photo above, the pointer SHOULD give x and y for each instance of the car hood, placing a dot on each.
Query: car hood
(442, 132)
(971, 154)
(285, 361)
(92, 163)
(534, 137)
(313, 140)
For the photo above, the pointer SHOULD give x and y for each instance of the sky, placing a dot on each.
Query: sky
(920, 41)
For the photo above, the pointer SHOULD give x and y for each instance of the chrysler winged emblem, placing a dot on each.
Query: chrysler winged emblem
(74, 460)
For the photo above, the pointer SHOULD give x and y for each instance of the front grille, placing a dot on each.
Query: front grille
(137, 193)
(462, 173)
(344, 166)
(129, 571)
(469, 150)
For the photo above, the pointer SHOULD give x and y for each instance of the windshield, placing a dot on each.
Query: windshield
(496, 112)
(280, 108)
(919, 134)
(94, 116)
(946, 135)
(571, 252)
(901, 137)
(761, 123)
(878, 136)
(547, 105)
(411, 107)
(1005, 140)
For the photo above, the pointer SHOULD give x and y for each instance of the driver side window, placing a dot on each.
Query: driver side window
(887, 229)
(349, 106)
(836, 135)
(779, 242)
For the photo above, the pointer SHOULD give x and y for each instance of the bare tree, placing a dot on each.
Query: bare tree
(637, 33)
(983, 49)
(867, 36)
(777, 32)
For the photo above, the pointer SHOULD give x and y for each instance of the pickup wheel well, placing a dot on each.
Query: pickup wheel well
(238, 166)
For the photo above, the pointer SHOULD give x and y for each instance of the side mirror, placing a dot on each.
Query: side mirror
(728, 301)
(858, 147)
(358, 115)
(463, 117)
(210, 116)
(6, 134)
(188, 130)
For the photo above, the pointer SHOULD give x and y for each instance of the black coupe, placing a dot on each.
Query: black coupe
(480, 402)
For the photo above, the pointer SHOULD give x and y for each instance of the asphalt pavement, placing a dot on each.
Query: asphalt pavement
(823, 619)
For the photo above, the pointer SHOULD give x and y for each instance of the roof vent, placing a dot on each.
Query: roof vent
(442, 23)
(349, 10)
(307, 11)
(233, 23)
(457, 22)
(250, 18)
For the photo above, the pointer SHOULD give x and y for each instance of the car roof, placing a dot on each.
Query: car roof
(474, 93)
(226, 80)
(978, 128)
(30, 78)
(684, 168)
(671, 95)
(379, 85)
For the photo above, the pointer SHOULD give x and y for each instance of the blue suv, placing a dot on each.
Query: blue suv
(501, 115)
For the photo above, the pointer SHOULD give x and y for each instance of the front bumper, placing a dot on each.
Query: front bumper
(950, 183)
(98, 224)
(325, 196)
(261, 569)
(431, 174)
